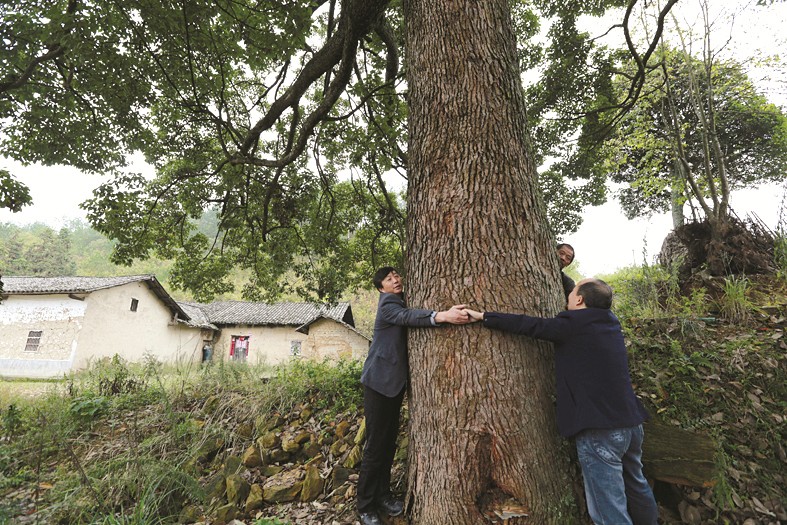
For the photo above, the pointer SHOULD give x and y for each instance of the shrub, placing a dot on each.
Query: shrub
(108, 377)
(326, 384)
(11, 420)
(734, 305)
(644, 291)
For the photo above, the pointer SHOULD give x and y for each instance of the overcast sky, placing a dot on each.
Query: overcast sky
(605, 242)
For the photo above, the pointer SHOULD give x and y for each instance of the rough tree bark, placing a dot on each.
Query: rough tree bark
(481, 402)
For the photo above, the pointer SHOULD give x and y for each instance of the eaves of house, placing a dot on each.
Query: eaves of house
(79, 287)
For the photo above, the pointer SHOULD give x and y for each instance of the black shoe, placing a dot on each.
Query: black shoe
(370, 518)
(391, 506)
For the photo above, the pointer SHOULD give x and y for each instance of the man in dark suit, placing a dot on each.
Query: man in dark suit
(565, 253)
(595, 400)
(384, 380)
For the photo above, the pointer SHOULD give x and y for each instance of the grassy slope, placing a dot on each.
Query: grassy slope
(126, 445)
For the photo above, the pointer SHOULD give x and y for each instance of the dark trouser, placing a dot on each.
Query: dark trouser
(382, 428)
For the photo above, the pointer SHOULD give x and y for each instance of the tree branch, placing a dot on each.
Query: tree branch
(53, 51)
(356, 19)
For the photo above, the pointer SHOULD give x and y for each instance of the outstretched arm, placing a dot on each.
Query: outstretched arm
(392, 310)
(550, 329)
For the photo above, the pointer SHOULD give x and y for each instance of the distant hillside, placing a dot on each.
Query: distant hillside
(77, 249)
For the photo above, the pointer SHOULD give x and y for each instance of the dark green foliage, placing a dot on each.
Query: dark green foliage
(69, 92)
(12, 421)
(88, 83)
(325, 385)
(13, 194)
(88, 408)
(285, 123)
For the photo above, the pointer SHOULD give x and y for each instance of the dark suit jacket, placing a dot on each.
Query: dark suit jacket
(591, 367)
(568, 283)
(385, 369)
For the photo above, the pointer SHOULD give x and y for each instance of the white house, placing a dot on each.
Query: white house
(275, 333)
(52, 325)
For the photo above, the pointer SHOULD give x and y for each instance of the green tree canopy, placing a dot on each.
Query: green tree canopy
(287, 120)
(665, 129)
(36, 250)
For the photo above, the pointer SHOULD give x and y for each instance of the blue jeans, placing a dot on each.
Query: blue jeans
(616, 490)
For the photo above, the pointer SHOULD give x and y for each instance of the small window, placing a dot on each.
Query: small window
(295, 348)
(33, 340)
(134, 304)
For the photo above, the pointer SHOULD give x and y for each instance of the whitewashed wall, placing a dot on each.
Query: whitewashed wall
(110, 328)
(59, 317)
(331, 340)
(268, 345)
(78, 332)
(272, 345)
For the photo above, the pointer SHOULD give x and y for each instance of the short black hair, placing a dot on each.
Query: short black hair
(596, 293)
(381, 274)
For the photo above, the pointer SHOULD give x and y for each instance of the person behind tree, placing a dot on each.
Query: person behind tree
(596, 404)
(565, 253)
(384, 380)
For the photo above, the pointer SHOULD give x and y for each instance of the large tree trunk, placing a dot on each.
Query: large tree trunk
(481, 406)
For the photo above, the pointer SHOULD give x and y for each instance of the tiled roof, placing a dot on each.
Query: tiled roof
(54, 285)
(80, 285)
(197, 317)
(287, 314)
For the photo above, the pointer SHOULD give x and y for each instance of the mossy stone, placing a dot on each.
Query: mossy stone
(312, 484)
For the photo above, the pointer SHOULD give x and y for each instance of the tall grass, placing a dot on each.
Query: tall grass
(734, 304)
(780, 242)
(118, 443)
(780, 255)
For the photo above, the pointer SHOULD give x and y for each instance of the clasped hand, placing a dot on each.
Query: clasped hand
(458, 314)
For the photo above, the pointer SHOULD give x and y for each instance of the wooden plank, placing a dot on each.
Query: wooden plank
(678, 456)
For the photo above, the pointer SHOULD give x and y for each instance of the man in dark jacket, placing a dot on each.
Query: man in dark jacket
(595, 400)
(384, 380)
(565, 253)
